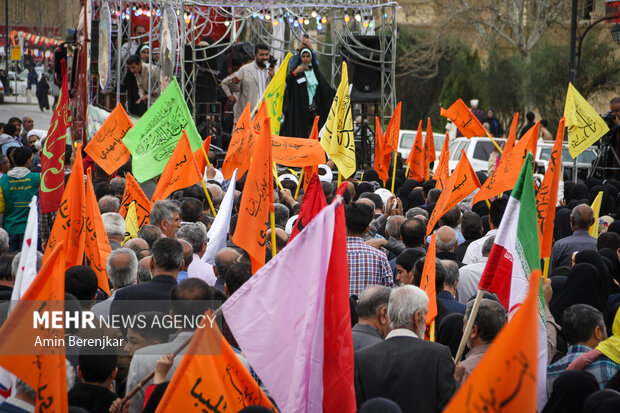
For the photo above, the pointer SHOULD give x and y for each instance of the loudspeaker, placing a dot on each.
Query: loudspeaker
(365, 71)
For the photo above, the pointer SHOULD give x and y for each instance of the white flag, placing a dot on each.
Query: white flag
(27, 270)
(219, 229)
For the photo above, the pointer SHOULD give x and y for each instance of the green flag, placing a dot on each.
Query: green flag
(152, 140)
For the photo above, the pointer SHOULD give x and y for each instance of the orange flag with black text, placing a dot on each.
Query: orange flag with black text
(506, 377)
(379, 167)
(70, 217)
(442, 173)
(512, 135)
(253, 218)
(415, 160)
(504, 177)
(43, 367)
(428, 281)
(210, 377)
(462, 182)
(106, 147)
(312, 169)
(547, 195)
(241, 146)
(259, 118)
(199, 155)
(97, 244)
(181, 171)
(429, 147)
(134, 192)
(390, 142)
(464, 119)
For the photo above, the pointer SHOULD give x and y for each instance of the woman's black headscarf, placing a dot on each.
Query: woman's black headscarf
(602, 401)
(581, 287)
(570, 391)
(561, 224)
(608, 203)
(415, 199)
(604, 279)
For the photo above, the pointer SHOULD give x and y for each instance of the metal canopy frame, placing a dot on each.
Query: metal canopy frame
(250, 21)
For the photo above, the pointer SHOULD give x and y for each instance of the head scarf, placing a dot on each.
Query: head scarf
(603, 223)
(370, 175)
(570, 391)
(578, 192)
(604, 280)
(561, 224)
(415, 199)
(608, 203)
(311, 80)
(614, 269)
(379, 405)
(450, 332)
(614, 227)
(581, 288)
(602, 401)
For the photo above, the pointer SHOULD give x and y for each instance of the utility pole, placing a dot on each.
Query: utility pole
(6, 35)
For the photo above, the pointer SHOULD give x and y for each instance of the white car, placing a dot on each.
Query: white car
(18, 85)
(406, 138)
(477, 149)
(584, 160)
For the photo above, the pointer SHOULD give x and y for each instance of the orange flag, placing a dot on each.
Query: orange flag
(97, 243)
(210, 377)
(512, 135)
(181, 171)
(259, 118)
(199, 156)
(428, 280)
(43, 368)
(378, 162)
(504, 177)
(415, 160)
(296, 152)
(442, 173)
(462, 182)
(256, 200)
(241, 146)
(312, 169)
(506, 377)
(133, 192)
(69, 221)
(390, 144)
(547, 195)
(429, 144)
(465, 121)
(106, 147)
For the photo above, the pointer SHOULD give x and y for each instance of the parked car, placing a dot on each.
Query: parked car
(406, 138)
(477, 149)
(17, 85)
(584, 160)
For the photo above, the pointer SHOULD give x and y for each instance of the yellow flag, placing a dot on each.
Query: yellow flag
(131, 223)
(584, 125)
(274, 95)
(337, 136)
(596, 207)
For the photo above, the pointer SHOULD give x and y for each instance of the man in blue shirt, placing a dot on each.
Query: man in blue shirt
(581, 218)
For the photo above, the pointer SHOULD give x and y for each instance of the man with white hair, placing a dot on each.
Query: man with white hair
(447, 240)
(196, 234)
(122, 268)
(416, 374)
(114, 225)
(166, 215)
(109, 203)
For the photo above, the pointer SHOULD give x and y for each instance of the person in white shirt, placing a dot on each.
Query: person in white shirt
(196, 234)
(474, 250)
(469, 275)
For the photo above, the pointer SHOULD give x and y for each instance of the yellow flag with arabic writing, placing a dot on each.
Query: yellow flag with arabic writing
(337, 137)
(274, 95)
(585, 126)
(131, 223)
(596, 208)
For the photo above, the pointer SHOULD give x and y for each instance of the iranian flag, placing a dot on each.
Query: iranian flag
(515, 254)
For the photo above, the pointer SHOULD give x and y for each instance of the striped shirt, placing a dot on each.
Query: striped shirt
(367, 266)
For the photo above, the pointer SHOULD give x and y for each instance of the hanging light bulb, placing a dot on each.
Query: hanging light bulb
(314, 13)
(323, 19)
(275, 22)
(296, 23)
(226, 23)
(267, 16)
(319, 27)
(366, 23)
(261, 16)
(358, 17)
(300, 20)
(291, 19)
(347, 18)
(307, 22)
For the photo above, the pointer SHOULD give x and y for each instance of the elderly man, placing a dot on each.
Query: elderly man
(27, 126)
(191, 210)
(109, 203)
(139, 246)
(373, 323)
(224, 258)
(122, 268)
(150, 233)
(196, 235)
(165, 215)
(447, 240)
(367, 265)
(469, 275)
(416, 374)
(114, 225)
(581, 218)
(447, 294)
(489, 321)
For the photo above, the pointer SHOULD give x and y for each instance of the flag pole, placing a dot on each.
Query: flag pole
(339, 178)
(393, 171)
(205, 154)
(468, 327)
(202, 181)
(275, 174)
(431, 332)
(494, 143)
(546, 268)
(407, 172)
(301, 181)
(272, 216)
